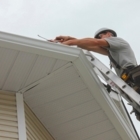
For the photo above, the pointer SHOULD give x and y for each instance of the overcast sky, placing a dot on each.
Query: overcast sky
(77, 18)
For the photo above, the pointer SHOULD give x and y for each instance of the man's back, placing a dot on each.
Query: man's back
(121, 52)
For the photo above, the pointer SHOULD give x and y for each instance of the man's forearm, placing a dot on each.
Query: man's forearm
(90, 44)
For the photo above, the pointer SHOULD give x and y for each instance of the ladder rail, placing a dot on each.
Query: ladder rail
(112, 78)
(108, 81)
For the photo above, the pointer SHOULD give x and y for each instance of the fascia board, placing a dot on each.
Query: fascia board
(90, 78)
(40, 47)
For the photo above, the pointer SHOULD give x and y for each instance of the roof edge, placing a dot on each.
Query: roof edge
(36, 46)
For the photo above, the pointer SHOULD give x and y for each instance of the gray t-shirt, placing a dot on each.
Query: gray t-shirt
(121, 52)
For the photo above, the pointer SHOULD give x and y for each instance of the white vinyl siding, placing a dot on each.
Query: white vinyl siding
(8, 117)
(35, 130)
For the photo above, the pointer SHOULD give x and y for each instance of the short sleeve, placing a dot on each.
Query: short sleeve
(116, 43)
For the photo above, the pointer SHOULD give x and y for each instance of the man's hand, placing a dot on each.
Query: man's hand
(71, 42)
(90, 44)
(62, 39)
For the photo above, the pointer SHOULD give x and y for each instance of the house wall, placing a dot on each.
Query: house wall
(8, 117)
(35, 130)
(9, 122)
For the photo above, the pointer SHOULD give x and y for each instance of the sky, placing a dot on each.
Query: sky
(76, 18)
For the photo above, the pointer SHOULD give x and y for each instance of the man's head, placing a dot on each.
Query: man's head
(104, 33)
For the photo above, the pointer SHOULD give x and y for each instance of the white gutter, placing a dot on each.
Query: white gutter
(40, 47)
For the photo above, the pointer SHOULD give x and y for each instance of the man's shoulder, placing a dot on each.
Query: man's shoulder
(117, 39)
(116, 43)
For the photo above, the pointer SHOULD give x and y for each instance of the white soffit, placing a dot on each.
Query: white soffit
(68, 110)
(24, 60)
(70, 94)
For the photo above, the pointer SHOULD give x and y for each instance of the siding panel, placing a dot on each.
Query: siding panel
(35, 130)
(8, 117)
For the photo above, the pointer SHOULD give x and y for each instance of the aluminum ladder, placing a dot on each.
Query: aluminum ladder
(115, 82)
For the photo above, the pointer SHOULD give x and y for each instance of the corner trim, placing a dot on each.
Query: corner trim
(21, 117)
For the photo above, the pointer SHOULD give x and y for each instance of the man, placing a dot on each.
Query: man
(107, 43)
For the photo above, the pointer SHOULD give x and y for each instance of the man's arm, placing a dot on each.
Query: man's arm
(63, 38)
(90, 44)
(99, 50)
